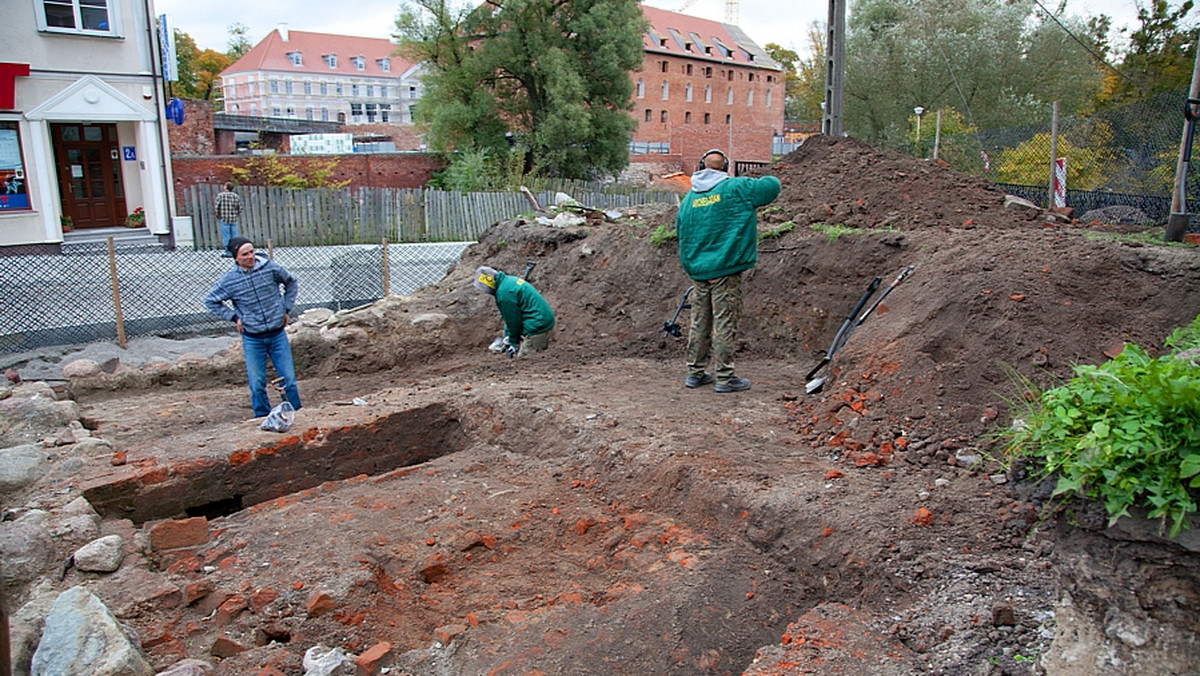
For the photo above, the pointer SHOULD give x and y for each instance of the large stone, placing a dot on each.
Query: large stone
(26, 553)
(81, 368)
(25, 626)
(82, 637)
(101, 556)
(21, 466)
(28, 420)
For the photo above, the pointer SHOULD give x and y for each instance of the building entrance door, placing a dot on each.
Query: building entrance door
(88, 161)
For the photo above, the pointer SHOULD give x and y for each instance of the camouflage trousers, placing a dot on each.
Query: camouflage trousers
(716, 306)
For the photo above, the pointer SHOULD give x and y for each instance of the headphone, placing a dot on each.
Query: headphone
(715, 151)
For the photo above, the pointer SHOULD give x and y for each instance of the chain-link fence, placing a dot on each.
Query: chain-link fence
(1124, 157)
(62, 300)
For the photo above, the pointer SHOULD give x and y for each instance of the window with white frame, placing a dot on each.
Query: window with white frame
(370, 91)
(708, 93)
(353, 90)
(385, 65)
(308, 114)
(295, 58)
(729, 96)
(307, 87)
(330, 60)
(359, 62)
(641, 88)
(274, 86)
(324, 89)
(371, 110)
(275, 111)
(287, 86)
(383, 91)
(768, 101)
(385, 112)
(750, 98)
(324, 114)
(666, 90)
(89, 17)
(687, 92)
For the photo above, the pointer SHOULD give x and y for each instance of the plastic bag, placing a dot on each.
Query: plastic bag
(280, 418)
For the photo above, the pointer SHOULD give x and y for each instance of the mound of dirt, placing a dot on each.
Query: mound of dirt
(580, 511)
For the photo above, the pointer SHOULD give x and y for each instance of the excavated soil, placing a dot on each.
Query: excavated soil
(582, 512)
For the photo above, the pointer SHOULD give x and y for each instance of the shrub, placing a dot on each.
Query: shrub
(1125, 433)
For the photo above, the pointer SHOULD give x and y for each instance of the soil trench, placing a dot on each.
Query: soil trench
(581, 511)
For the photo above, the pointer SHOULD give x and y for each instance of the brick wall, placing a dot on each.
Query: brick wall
(195, 136)
(376, 170)
(747, 135)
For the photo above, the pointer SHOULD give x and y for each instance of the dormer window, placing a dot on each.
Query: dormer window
(295, 58)
(384, 65)
(330, 60)
(359, 62)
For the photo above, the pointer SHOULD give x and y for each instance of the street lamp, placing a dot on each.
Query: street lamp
(918, 110)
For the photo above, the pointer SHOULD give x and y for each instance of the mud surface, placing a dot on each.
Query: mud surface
(580, 511)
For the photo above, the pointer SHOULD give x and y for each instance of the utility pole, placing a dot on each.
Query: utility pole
(1178, 222)
(835, 60)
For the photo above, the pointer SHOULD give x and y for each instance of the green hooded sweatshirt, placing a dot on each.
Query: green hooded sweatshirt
(717, 225)
(524, 310)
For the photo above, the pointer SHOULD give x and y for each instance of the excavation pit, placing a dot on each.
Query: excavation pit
(213, 486)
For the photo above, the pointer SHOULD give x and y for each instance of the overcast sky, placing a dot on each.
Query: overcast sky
(786, 24)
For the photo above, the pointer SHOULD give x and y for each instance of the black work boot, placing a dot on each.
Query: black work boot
(733, 385)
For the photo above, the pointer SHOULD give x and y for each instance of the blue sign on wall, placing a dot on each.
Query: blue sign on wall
(129, 153)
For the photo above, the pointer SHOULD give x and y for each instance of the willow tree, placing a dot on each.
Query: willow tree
(1001, 63)
(549, 77)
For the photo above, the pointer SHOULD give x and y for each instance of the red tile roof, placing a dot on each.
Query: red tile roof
(272, 54)
(683, 35)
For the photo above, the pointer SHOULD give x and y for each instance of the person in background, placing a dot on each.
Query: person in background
(228, 207)
(717, 227)
(527, 316)
(260, 311)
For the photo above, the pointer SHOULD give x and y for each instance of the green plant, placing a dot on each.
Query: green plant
(66, 223)
(1146, 237)
(1125, 433)
(780, 231)
(834, 231)
(661, 235)
(136, 219)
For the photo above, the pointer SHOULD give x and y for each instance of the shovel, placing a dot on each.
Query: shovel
(815, 384)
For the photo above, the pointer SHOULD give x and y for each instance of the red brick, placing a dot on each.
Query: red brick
(181, 533)
(195, 591)
(230, 609)
(261, 598)
(269, 671)
(319, 604)
(225, 647)
(367, 664)
(447, 633)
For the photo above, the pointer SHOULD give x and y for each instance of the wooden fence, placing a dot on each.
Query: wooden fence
(332, 216)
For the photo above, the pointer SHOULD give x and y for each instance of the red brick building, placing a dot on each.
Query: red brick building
(704, 84)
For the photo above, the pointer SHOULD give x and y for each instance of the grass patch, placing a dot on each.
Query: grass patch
(1147, 237)
(661, 235)
(834, 231)
(1125, 433)
(775, 233)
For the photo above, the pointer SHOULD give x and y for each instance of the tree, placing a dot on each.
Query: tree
(792, 92)
(1161, 55)
(238, 43)
(1088, 160)
(998, 62)
(547, 76)
(198, 70)
(810, 73)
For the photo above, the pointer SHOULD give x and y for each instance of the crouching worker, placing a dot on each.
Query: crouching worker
(260, 311)
(527, 316)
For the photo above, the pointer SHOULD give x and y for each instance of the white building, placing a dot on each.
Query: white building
(82, 121)
(322, 77)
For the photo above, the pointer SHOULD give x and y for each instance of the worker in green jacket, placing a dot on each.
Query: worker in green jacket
(527, 316)
(717, 227)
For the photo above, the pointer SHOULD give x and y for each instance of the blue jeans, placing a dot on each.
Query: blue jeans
(228, 232)
(256, 349)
